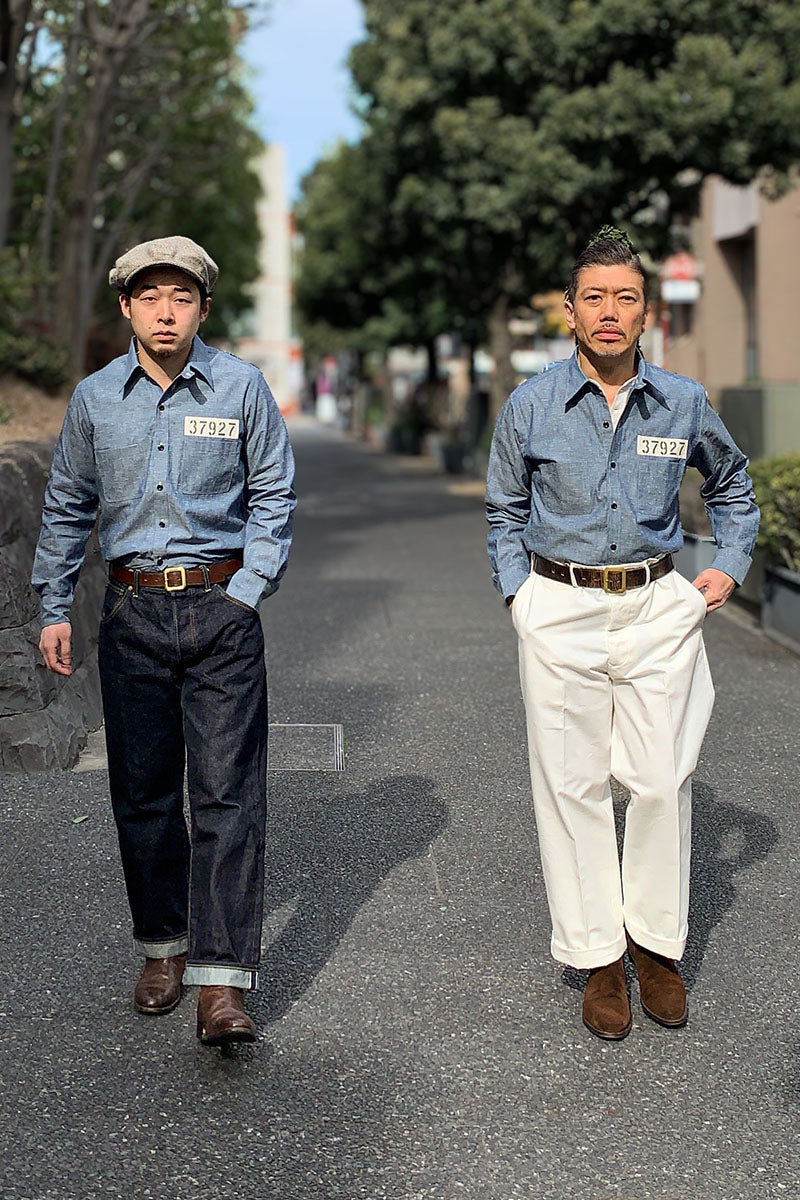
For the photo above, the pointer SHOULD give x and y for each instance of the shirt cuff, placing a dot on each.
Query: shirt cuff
(509, 583)
(53, 614)
(249, 588)
(734, 563)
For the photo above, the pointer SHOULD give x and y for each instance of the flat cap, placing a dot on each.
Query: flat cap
(179, 252)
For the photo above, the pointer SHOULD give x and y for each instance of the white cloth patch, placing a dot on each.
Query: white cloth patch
(214, 427)
(662, 447)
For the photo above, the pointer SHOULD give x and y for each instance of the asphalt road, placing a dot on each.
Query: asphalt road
(418, 1041)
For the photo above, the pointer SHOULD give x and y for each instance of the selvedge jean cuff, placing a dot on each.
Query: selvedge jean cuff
(164, 949)
(205, 976)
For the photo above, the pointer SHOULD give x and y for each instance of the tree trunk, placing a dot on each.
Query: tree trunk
(14, 16)
(504, 378)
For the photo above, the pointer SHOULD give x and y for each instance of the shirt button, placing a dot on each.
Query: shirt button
(161, 407)
(161, 448)
(612, 465)
(613, 544)
(613, 502)
(163, 525)
(160, 488)
(606, 424)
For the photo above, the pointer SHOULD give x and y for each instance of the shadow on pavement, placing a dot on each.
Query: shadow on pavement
(327, 853)
(726, 838)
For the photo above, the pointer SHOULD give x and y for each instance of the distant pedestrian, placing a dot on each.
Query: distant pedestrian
(183, 450)
(582, 499)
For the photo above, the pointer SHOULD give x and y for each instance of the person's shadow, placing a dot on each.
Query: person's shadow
(327, 853)
(726, 838)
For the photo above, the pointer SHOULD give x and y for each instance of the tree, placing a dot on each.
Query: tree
(510, 129)
(136, 124)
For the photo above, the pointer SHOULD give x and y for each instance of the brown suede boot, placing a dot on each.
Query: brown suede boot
(661, 988)
(606, 1007)
(159, 987)
(221, 1019)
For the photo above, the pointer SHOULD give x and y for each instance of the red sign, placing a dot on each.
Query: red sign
(680, 266)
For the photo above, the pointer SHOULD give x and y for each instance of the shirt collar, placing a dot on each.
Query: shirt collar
(198, 363)
(577, 384)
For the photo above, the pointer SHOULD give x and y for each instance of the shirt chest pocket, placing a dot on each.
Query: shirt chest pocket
(658, 481)
(208, 465)
(564, 488)
(121, 470)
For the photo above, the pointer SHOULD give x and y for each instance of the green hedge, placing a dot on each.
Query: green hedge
(777, 484)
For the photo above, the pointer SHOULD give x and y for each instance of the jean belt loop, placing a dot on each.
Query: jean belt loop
(206, 580)
(135, 584)
(572, 578)
(647, 572)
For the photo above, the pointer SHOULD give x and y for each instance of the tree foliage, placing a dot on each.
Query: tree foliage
(133, 123)
(509, 129)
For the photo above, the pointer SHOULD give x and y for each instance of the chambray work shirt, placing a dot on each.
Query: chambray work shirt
(565, 484)
(199, 473)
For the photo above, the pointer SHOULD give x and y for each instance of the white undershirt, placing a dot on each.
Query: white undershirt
(621, 401)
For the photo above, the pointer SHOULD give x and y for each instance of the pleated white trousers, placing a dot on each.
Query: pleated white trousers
(614, 685)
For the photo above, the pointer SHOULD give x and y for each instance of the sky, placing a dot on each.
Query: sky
(299, 80)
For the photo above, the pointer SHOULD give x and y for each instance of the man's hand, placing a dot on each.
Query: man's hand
(715, 585)
(55, 646)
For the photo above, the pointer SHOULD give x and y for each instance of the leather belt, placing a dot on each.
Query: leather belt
(610, 579)
(176, 579)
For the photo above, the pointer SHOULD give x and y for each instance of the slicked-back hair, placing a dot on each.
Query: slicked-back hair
(606, 252)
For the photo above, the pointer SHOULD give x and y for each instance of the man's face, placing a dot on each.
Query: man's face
(609, 311)
(165, 311)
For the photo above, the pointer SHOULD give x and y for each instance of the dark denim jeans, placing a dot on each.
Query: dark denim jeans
(184, 683)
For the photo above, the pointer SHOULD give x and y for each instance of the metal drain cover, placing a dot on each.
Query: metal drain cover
(306, 748)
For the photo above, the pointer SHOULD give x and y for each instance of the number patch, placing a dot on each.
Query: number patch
(662, 447)
(213, 427)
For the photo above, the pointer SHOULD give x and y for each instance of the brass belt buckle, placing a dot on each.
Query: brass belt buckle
(180, 585)
(617, 585)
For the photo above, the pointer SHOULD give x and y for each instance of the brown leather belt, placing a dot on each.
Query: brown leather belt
(176, 579)
(610, 579)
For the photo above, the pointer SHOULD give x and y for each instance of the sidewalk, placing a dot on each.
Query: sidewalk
(418, 1040)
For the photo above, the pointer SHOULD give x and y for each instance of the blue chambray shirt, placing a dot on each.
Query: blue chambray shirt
(169, 496)
(563, 483)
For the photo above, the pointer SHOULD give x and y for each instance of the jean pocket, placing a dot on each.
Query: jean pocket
(114, 601)
(232, 600)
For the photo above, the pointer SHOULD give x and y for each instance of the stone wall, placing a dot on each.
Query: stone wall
(44, 718)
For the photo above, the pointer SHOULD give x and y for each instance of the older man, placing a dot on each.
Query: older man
(582, 499)
(183, 450)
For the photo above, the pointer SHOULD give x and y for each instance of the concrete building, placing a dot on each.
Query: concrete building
(269, 339)
(739, 334)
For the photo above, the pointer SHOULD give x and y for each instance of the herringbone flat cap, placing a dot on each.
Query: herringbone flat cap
(180, 252)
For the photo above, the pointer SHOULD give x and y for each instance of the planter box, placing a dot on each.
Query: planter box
(697, 553)
(780, 611)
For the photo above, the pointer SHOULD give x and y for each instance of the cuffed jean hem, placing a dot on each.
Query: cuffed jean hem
(205, 976)
(163, 949)
(668, 947)
(587, 960)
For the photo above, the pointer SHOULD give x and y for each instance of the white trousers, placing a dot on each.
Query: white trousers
(613, 685)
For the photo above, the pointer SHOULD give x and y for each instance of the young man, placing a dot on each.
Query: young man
(183, 450)
(582, 499)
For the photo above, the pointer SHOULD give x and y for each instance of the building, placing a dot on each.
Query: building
(268, 339)
(734, 329)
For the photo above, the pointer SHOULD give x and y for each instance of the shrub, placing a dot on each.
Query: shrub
(26, 351)
(777, 484)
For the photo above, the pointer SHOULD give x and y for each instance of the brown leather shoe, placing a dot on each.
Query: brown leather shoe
(221, 1019)
(159, 988)
(661, 988)
(606, 1007)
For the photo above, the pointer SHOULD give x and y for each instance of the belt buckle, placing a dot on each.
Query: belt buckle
(180, 586)
(610, 584)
